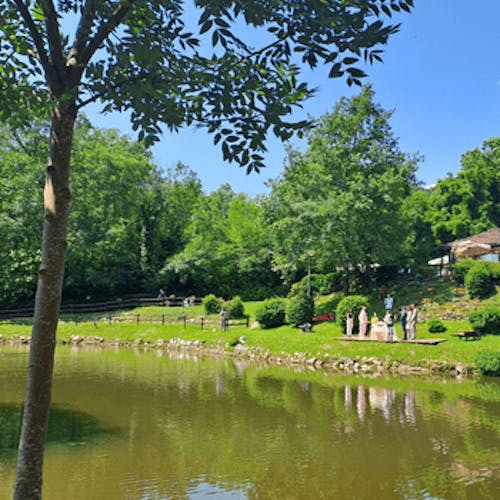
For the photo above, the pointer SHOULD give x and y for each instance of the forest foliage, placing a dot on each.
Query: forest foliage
(350, 200)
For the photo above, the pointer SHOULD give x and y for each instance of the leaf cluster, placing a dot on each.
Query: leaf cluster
(144, 56)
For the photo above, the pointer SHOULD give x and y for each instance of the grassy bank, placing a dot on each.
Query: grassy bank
(322, 342)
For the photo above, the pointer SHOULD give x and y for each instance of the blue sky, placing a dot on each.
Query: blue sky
(440, 75)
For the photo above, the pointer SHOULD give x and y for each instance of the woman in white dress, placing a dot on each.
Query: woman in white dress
(363, 322)
(349, 322)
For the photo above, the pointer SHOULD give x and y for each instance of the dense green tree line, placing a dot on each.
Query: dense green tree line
(349, 201)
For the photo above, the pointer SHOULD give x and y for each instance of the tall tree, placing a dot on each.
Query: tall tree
(338, 204)
(110, 173)
(168, 203)
(21, 179)
(228, 248)
(470, 202)
(138, 55)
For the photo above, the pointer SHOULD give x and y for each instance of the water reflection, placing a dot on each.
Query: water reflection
(68, 427)
(194, 429)
(381, 400)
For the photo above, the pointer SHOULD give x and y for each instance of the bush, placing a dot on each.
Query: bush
(300, 309)
(479, 281)
(495, 271)
(486, 319)
(212, 304)
(488, 363)
(235, 308)
(272, 313)
(350, 301)
(435, 325)
(328, 303)
(461, 268)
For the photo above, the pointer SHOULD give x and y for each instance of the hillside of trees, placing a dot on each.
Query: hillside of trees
(350, 200)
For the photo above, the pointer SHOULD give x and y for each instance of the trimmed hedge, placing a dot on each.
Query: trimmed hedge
(272, 313)
(488, 363)
(486, 319)
(300, 309)
(212, 304)
(235, 308)
(350, 301)
(435, 325)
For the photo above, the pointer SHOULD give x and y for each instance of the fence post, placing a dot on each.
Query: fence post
(202, 322)
(184, 321)
(138, 319)
(162, 319)
(248, 320)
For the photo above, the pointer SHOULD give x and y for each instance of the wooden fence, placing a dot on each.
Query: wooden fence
(102, 307)
(203, 322)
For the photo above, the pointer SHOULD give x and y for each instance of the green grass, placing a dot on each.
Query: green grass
(321, 343)
(285, 339)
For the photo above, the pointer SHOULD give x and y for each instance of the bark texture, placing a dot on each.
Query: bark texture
(48, 300)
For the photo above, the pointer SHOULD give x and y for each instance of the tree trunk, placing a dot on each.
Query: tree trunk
(47, 303)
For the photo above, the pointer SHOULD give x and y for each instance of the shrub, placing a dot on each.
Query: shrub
(327, 303)
(300, 309)
(235, 308)
(212, 304)
(478, 280)
(461, 268)
(488, 363)
(272, 313)
(486, 319)
(495, 271)
(350, 301)
(435, 325)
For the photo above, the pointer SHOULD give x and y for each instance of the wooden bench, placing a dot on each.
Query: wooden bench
(469, 334)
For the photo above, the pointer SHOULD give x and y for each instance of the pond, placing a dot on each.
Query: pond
(131, 425)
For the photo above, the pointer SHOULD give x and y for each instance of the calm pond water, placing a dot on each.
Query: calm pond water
(128, 425)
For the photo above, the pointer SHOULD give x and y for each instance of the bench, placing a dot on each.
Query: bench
(469, 334)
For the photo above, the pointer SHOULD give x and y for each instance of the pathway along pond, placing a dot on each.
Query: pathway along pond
(129, 425)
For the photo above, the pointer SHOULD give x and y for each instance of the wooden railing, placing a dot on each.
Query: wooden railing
(203, 321)
(100, 307)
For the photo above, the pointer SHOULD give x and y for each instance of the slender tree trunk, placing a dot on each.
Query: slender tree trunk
(48, 300)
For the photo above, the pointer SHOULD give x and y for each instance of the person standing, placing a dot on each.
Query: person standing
(412, 321)
(389, 321)
(363, 322)
(388, 302)
(223, 319)
(349, 322)
(403, 319)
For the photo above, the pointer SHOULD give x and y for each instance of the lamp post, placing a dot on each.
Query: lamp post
(309, 255)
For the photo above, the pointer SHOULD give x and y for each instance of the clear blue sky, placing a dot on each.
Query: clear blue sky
(440, 75)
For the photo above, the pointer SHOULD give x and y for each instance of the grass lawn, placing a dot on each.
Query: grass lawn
(286, 339)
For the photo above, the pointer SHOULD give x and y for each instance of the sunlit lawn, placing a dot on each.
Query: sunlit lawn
(324, 340)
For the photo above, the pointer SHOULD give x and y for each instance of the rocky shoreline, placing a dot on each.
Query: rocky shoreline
(363, 365)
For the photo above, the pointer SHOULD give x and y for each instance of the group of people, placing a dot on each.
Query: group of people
(407, 318)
